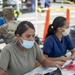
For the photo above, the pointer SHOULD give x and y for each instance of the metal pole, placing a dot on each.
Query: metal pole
(62, 3)
(36, 17)
(43, 3)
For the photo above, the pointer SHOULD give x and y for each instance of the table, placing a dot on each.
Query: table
(44, 70)
(41, 70)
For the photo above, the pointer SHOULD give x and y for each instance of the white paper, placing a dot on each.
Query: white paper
(66, 63)
(49, 70)
(66, 72)
(37, 70)
(43, 70)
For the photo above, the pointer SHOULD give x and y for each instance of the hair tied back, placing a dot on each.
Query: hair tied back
(51, 26)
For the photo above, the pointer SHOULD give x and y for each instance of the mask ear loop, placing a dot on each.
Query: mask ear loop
(20, 40)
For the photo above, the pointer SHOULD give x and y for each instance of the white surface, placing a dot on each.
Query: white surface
(66, 63)
(68, 54)
(37, 70)
(43, 70)
(65, 72)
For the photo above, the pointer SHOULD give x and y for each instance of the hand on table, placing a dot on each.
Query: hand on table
(59, 64)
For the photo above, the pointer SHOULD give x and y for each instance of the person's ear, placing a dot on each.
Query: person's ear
(17, 35)
(18, 38)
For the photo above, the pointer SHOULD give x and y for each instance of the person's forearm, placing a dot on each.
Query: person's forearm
(48, 63)
(2, 72)
(73, 54)
(55, 59)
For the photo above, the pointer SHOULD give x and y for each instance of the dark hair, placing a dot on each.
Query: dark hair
(23, 26)
(58, 22)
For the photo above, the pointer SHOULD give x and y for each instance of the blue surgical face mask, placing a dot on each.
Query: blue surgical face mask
(27, 44)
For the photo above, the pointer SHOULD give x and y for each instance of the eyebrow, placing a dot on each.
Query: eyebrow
(30, 34)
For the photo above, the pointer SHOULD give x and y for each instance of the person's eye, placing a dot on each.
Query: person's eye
(34, 35)
(28, 36)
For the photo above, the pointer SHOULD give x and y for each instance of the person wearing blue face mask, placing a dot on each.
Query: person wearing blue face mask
(19, 56)
(27, 44)
(57, 40)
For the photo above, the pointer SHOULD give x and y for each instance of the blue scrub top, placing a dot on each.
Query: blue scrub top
(2, 21)
(53, 47)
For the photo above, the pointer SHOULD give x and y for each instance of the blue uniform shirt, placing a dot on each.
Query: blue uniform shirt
(53, 47)
(2, 21)
(47, 3)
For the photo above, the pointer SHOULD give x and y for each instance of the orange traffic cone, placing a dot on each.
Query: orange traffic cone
(68, 15)
(46, 24)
